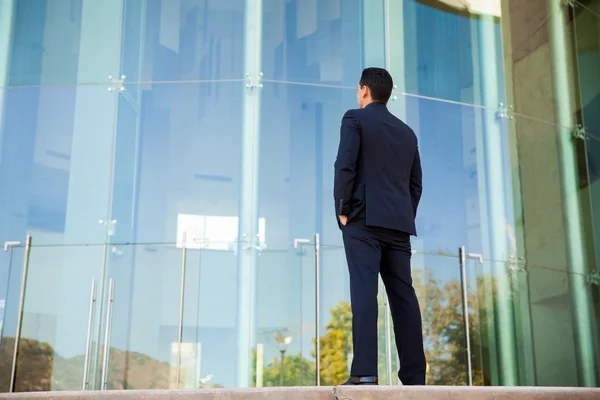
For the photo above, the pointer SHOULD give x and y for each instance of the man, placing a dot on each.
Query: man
(377, 189)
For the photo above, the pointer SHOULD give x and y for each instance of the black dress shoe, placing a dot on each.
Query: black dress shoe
(362, 380)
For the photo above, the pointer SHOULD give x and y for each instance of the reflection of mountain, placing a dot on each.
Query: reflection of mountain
(40, 369)
(34, 368)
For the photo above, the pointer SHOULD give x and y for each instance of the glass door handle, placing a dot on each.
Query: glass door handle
(300, 242)
(8, 245)
(109, 309)
(86, 359)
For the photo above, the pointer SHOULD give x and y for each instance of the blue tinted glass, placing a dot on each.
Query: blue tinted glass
(183, 41)
(463, 197)
(320, 41)
(55, 153)
(445, 49)
(58, 42)
(177, 161)
(210, 321)
(55, 315)
(299, 139)
(298, 145)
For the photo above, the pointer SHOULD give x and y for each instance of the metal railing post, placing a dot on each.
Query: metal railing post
(13, 373)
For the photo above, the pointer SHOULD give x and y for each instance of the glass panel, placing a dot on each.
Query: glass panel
(6, 262)
(177, 162)
(143, 340)
(58, 42)
(56, 313)
(528, 57)
(587, 39)
(491, 292)
(210, 332)
(299, 138)
(552, 320)
(321, 42)
(449, 50)
(183, 41)
(285, 317)
(55, 152)
(11, 268)
(437, 282)
(560, 341)
(467, 187)
(335, 316)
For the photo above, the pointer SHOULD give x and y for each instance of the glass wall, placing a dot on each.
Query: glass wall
(172, 162)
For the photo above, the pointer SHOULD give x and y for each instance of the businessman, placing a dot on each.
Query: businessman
(377, 188)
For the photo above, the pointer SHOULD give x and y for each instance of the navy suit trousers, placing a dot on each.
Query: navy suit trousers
(371, 251)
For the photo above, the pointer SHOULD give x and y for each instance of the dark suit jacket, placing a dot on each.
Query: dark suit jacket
(378, 169)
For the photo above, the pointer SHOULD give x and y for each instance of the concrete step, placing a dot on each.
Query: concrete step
(329, 393)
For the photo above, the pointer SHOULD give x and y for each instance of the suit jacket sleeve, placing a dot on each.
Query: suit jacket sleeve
(345, 163)
(416, 185)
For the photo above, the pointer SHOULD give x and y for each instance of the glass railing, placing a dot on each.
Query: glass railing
(158, 316)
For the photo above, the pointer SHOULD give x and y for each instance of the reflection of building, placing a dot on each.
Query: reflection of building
(125, 124)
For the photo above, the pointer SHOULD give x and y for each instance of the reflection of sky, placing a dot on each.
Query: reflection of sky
(178, 152)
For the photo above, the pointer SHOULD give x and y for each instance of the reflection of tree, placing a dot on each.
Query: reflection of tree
(443, 329)
(39, 368)
(444, 334)
(297, 371)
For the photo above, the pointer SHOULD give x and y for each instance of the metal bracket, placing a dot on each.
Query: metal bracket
(8, 245)
(504, 112)
(255, 244)
(112, 226)
(117, 83)
(593, 278)
(251, 85)
(516, 265)
(579, 132)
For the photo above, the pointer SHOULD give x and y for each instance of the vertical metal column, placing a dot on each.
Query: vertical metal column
(109, 308)
(388, 339)
(465, 308)
(88, 338)
(574, 235)
(13, 373)
(318, 307)
(181, 304)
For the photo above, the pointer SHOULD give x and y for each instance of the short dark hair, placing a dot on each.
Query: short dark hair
(379, 82)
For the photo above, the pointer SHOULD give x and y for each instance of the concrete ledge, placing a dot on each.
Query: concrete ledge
(328, 393)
